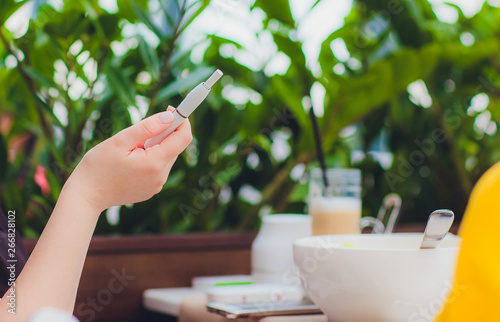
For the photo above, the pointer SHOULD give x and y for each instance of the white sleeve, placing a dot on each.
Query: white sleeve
(52, 315)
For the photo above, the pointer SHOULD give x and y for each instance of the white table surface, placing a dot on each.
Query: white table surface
(189, 305)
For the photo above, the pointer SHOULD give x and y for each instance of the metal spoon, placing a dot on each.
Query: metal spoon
(437, 227)
(392, 200)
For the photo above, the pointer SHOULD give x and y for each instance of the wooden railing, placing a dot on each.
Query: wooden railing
(118, 269)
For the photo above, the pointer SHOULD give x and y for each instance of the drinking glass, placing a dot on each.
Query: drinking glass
(335, 208)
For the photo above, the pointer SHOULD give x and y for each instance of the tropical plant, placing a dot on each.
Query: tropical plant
(74, 77)
(415, 89)
(442, 129)
(420, 92)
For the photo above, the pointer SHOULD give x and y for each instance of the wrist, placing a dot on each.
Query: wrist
(73, 194)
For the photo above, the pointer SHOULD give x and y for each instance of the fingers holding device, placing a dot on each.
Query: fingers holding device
(117, 171)
(187, 106)
(107, 175)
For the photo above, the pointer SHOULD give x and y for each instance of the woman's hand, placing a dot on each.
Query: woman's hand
(120, 171)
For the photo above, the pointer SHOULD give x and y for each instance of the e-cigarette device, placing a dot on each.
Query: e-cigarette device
(186, 107)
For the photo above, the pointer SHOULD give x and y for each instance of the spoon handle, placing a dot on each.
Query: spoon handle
(437, 227)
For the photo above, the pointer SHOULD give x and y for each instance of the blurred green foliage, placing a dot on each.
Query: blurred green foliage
(80, 73)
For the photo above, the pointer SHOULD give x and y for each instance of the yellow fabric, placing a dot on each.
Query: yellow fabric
(475, 295)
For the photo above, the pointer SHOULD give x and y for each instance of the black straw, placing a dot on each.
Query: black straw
(319, 145)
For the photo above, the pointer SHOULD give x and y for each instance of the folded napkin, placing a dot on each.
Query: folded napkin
(475, 295)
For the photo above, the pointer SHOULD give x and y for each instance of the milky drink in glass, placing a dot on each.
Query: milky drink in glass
(335, 209)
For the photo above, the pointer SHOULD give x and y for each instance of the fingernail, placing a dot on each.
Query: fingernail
(166, 117)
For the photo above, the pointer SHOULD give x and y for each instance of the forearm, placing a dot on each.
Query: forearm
(51, 275)
(117, 171)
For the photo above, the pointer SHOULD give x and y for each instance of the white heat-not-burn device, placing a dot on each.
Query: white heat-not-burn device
(186, 107)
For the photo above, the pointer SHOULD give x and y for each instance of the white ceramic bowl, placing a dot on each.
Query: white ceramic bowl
(374, 277)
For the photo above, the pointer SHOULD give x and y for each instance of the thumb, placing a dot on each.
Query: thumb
(137, 134)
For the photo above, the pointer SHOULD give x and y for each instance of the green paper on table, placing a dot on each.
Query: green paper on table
(348, 245)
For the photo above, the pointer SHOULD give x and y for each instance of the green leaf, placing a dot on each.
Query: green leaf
(415, 11)
(3, 158)
(299, 193)
(183, 84)
(292, 98)
(174, 179)
(150, 58)
(189, 17)
(315, 4)
(66, 26)
(120, 84)
(144, 18)
(292, 49)
(172, 12)
(359, 96)
(461, 16)
(459, 54)
(29, 232)
(8, 7)
(109, 26)
(39, 78)
(277, 9)
(126, 9)
(54, 183)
